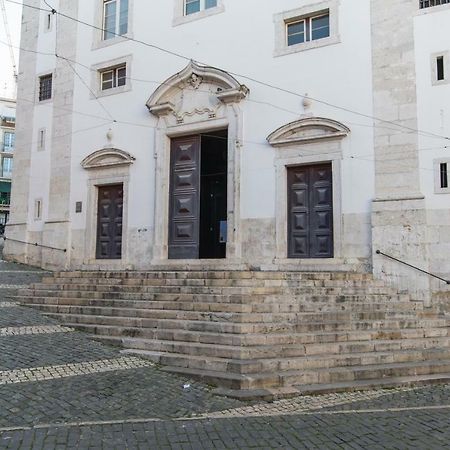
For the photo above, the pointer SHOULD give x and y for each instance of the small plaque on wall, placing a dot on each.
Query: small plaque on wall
(78, 207)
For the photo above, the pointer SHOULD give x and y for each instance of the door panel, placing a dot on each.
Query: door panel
(109, 222)
(310, 212)
(184, 198)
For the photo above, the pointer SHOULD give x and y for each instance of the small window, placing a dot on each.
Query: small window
(48, 22)
(430, 3)
(113, 77)
(443, 175)
(308, 29)
(115, 18)
(194, 6)
(440, 74)
(9, 140)
(45, 87)
(37, 209)
(41, 139)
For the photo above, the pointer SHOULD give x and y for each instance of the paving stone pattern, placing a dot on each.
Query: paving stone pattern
(72, 392)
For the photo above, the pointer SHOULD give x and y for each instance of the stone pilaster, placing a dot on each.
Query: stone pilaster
(17, 225)
(57, 226)
(399, 216)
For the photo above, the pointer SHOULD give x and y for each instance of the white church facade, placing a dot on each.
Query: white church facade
(223, 134)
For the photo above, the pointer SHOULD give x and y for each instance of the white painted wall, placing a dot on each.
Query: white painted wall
(432, 36)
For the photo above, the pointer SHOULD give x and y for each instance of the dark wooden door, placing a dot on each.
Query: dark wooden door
(184, 198)
(310, 212)
(109, 222)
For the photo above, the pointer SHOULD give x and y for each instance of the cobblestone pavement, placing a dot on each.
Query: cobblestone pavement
(59, 389)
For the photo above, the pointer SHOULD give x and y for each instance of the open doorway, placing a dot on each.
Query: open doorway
(198, 196)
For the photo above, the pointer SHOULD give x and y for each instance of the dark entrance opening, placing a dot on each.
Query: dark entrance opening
(198, 196)
(213, 195)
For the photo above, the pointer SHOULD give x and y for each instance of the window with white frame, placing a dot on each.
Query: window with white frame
(194, 6)
(113, 77)
(310, 26)
(442, 176)
(9, 140)
(308, 29)
(7, 166)
(115, 18)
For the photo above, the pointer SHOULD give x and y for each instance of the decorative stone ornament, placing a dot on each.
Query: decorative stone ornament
(220, 86)
(107, 157)
(307, 130)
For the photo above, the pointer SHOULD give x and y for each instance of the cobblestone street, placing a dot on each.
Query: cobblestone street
(59, 389)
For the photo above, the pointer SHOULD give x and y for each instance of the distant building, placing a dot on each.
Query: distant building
(7, 145)
(133, 158)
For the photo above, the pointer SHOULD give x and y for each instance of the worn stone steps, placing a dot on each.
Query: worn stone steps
(218, 297)
(251, 331)
(214, 274)
(288, 305)
(303, 380)
(293, 364)
(204, 332)
(345, 319)
(197, 310)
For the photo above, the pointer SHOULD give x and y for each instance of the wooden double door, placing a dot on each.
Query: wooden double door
(198, 197)
(310, 211)
(109, 222)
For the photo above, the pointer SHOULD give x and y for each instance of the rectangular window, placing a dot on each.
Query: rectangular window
(308, 29)
(7, 165)
(444, 175)
(440, 75)
(115, 18)
(194, 6)
(9, 140)
(37, 209)
(113, 77)
(41, 139)
(430, 3)
(45, 87)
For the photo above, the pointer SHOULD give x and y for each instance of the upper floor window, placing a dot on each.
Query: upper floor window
(442, 176)
(45, 87)
(308, 29)
(429, 3)
(115, 18)
(113, 77)
(8, 141)
(193, 6)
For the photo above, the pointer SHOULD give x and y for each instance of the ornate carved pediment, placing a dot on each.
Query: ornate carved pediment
(107, 157)
(307, 130)
(196, 90)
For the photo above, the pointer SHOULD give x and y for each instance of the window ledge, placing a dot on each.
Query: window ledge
(113, 41)
(432, 9)
(198, 15)
(288, 50)
(113, 91)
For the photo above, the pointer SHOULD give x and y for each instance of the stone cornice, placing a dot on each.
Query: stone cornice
(107, 157)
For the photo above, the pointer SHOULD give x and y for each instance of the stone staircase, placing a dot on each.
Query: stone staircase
(256, 333)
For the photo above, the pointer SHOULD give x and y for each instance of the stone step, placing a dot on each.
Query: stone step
(364, 372)
(294, 364)
(277, 351)
(313, 321)
(323, 286)
(370, 374)
(207, 332)
(215, 304)
(222, 297)
(216, 274)
(242, 313)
